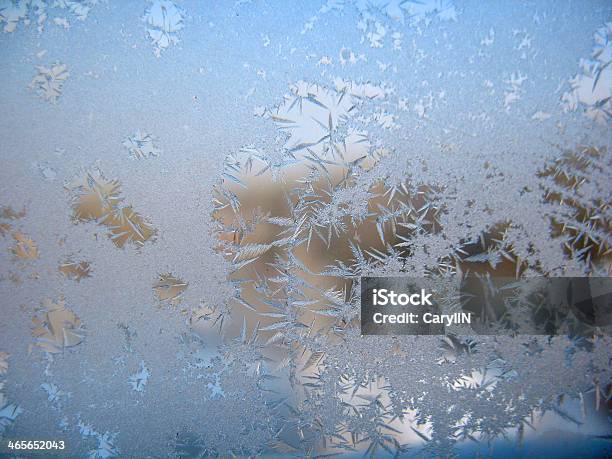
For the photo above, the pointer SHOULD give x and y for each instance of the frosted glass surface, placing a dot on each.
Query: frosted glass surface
(190, 192)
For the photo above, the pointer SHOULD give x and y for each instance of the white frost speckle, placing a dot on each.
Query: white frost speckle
(139, 380)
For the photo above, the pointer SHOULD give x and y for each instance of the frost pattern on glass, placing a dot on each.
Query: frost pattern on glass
(38, 12)
(591, 89)
(97, 199)
(164, 20)
(169, 288)
(49, 81)
(56, 327)
(8, 411)
(303, 147)
(75, 270)
(141, 145)
(337, 185)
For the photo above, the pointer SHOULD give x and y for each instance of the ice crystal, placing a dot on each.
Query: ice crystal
(11, 12)
(105, 442)
(80, 8)
(377, 17)
(513, 93)
(592, 88)
(56, 327)
(169, 288)
(8, 411)
(582, 221)
(25, 248)
(164, 19)
(106, 448)
(49, 81)
(53, 392)
(75, 270)
(139, 380)
(344, 192)
(126, 225)
(141, 145)
(97, 199)
(37, 12)
(4, 362)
